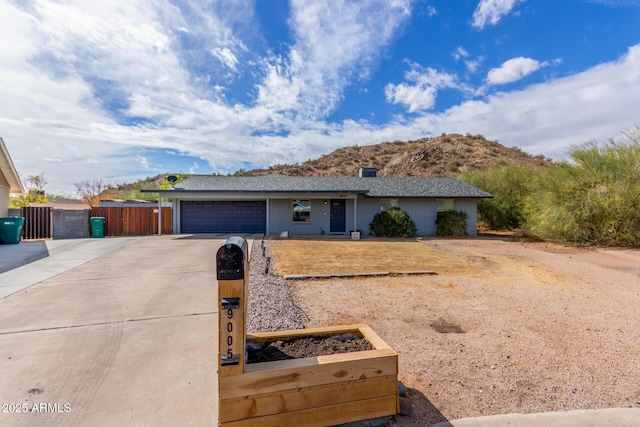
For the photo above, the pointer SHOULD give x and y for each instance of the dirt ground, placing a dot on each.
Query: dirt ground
(306, 347)
(530, 327)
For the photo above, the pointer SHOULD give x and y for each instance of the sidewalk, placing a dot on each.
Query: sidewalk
(618, 417)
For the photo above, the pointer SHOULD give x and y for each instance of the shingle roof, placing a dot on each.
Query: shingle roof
(370, 187)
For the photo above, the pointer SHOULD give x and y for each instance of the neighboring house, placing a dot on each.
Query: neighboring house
(64, 204)
(9, 180)
(313, 205)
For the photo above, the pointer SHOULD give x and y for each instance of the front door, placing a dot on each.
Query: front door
(338, 216)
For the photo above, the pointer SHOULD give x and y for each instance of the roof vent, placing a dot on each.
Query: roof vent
(368, 172)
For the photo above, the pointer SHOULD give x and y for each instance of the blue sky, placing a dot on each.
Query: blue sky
(125, 90)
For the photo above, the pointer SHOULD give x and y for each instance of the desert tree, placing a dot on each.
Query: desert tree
(509, 184)
(35, 192)
(91, 191)
(594, 197)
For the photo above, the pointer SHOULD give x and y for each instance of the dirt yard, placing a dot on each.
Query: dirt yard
(528, 327)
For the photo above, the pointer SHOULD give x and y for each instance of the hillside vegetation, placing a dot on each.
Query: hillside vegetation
(593, 198)
(446, 155)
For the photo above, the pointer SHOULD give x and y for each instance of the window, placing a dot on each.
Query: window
(445, 205)
(301, 210)
(388, 204)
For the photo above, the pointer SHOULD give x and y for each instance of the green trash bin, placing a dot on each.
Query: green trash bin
(10, 229)
(97, 226)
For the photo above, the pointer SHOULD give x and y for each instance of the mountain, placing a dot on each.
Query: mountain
(446, 155)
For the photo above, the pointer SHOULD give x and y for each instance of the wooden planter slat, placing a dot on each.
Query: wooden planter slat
(310, 371)
(308, 397)
(322, 390)
(324, 416)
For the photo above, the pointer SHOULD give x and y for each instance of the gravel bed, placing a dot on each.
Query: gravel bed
(271, 306)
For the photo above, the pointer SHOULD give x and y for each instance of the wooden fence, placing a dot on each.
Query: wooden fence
(38, 222)
(134, 221)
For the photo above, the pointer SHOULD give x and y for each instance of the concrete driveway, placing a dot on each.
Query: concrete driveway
(125, 338)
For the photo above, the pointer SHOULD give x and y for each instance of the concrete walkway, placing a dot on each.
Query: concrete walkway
(126, 337)
(27, 263)
(618, 417)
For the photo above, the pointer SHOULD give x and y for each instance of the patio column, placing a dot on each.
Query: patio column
(355, 213)
(267, 218)
(159, 215)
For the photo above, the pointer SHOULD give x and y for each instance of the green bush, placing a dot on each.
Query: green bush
(509, 184)
(451, 223)
(592, 199)
(393, 223)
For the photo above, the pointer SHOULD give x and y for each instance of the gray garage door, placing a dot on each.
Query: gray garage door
(223, 217)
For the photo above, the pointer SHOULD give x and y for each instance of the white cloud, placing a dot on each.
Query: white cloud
(335, 41)
(224, 55)
(472, 64)
(194, 168)
(460, 53)
(143, 161)
(491, 11)
(421, 93)
(415, 97)
(616, 3)
(513, 70)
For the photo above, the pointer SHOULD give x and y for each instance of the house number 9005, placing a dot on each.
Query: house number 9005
(229, 358)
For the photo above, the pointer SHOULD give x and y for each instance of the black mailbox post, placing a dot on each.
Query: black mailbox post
(232, 265)
(231, 258)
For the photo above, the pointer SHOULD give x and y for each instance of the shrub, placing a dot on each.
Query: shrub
(393, 223)
(451, 223)
(509, 184)
(592, 199)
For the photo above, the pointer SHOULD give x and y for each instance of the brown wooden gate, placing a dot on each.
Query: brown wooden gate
(38, 222)
(133, 221)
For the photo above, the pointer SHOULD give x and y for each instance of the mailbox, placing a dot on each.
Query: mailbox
(232, 263)
(231, 259)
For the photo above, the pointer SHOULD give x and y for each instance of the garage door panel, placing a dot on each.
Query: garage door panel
(223, 216)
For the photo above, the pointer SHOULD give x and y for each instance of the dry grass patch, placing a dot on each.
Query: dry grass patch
(322, 256)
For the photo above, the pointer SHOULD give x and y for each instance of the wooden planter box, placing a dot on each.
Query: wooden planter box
(313, 391)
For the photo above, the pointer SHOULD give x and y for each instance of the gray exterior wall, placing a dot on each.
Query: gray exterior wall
(280, 216)
(4, 196)
(4, 201)
(422, 211)
(470, 206)
(68, 224)
(279, 212)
